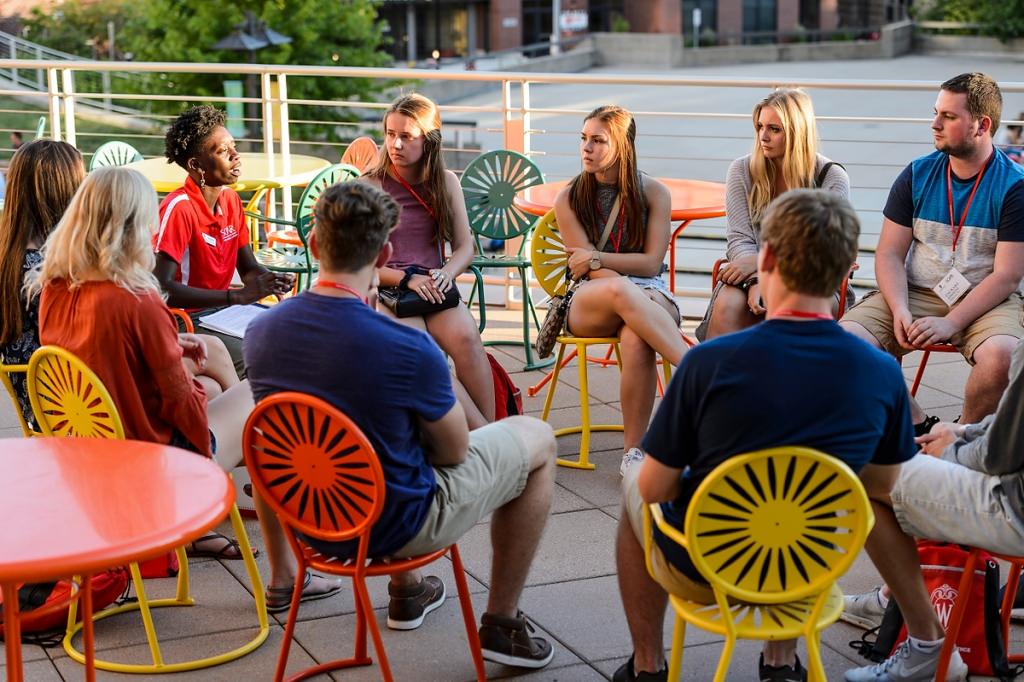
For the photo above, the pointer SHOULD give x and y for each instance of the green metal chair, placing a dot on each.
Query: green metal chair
(114, 153)
(490, 184)
(292, 254)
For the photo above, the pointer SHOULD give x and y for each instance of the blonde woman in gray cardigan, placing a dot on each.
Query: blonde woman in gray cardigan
(784, 157)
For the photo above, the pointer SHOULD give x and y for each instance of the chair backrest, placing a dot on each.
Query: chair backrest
(40, 128)
(5, 379)
(68, 399)
(776, 525)
(547, 256)
(361, 153)
(490, 184)
(313, 466)
(114, 153)
(333, 174)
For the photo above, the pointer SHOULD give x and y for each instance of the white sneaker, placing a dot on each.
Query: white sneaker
(907, 664)
(863, 610)
(629, 458)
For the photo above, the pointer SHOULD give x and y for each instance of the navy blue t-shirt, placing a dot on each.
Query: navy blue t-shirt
(380, 373)
(778, 383)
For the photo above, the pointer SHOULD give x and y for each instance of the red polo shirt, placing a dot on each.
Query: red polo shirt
(204, 244)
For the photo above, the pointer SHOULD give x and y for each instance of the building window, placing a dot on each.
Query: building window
(759, 19)
(601, 12)
(708, 17)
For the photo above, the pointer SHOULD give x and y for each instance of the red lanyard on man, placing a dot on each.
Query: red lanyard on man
(342, 287)
(949, 196)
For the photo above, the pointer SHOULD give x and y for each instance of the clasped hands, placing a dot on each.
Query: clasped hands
(433, 286)
(925, 331)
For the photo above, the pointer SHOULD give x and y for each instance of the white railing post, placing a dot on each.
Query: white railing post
(267, 111)
(39, 72)
(511, 125)
(68, 78)
(13, 50)
(53, 94)
(526, 117)
(286, 150)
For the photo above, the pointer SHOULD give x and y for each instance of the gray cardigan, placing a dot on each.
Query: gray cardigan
(995, 445)
(744, 238)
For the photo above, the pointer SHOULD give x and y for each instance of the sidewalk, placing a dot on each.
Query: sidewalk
(571, 595)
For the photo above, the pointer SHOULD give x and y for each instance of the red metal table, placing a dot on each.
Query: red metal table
(691, 200)
(97, 503)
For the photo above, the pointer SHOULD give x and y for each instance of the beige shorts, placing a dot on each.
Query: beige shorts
(872, 313)
(666, 575)
(494, 473)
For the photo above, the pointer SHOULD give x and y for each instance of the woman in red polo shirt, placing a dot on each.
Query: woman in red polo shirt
(201, 239)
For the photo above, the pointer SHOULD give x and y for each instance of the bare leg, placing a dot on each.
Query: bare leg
(227, 414)
(516, 528)
(730, 313)
(894, 554)
(643, 600)
(600, 307)
(456, 333)
(636, 385)
(219, 366)
(988, 379)
(474, 420)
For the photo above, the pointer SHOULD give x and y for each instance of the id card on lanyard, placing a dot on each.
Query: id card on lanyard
(954, 285)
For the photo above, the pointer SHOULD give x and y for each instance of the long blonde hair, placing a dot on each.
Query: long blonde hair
(427, 117)
(796, 112)
(583, 188)
(106, 233)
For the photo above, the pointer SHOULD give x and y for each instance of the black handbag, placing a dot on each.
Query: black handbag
(407, 303)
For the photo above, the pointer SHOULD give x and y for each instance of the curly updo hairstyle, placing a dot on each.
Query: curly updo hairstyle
(189, 130)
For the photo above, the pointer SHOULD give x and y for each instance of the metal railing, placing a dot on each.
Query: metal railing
(688, 127)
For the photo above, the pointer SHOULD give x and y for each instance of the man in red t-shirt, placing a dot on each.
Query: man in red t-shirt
(202, 239)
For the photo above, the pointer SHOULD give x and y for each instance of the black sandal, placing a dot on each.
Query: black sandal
(925, 427)
(230, 551)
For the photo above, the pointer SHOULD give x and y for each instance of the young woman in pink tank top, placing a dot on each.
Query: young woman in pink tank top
(433, 215)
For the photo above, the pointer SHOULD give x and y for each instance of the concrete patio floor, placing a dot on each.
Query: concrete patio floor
(571, 595)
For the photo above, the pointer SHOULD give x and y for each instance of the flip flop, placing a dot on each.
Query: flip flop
(280, 598)
(229, 551)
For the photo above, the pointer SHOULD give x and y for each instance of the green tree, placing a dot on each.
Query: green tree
(79, 27)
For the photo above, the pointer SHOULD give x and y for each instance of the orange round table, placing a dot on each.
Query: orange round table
(77, 506)
(691, 200)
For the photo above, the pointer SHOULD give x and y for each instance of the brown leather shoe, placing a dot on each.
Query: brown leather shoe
(508, 641)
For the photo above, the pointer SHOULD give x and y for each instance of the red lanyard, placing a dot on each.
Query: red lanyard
(343, 287)
(949, 195)
(616, 234)
(807, 315)
(411, 191)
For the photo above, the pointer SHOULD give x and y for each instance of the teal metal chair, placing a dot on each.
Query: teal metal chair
(490, 184)
(114, 153)
(40, 128)
(290, 253)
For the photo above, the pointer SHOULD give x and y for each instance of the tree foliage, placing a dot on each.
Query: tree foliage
(336, 33)
(1003, 19)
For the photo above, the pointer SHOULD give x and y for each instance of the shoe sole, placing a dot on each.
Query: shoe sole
(517, 661)
(416, 622)
(304, 598)
(859, 621)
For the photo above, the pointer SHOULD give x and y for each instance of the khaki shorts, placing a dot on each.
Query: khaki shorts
(872, 313)
(494, 473)
(665, 574)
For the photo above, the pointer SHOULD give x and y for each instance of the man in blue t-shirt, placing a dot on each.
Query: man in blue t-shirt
(394, 382)
(795, 379)
(951, 254)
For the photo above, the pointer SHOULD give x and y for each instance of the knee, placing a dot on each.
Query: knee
(994, 354)
(466, 343)
(539, 438)
(623, 293)
(632, 347)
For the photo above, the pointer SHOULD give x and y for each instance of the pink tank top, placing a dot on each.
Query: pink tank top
(414, 238)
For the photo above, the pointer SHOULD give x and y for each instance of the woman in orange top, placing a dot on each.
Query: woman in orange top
(101, 301)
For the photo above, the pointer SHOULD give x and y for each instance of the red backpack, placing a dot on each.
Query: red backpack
(44, 606)
(508, 399)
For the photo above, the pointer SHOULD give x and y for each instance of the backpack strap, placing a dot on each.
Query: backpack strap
(823, 173)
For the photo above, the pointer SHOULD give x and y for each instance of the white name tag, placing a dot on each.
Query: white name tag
(209, 239)
(951, 287)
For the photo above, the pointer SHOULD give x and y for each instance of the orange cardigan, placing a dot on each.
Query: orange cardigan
(131, 343)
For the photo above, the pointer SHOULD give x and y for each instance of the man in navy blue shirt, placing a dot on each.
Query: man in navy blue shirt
(795, 379)
(394, 382)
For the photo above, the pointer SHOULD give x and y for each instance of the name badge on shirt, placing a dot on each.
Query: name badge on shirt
(951, 287)
(209, 239)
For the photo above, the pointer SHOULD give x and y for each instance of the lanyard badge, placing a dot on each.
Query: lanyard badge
(954, 285)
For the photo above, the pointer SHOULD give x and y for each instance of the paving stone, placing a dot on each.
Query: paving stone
(578, 544)
(436, 651)
(929, 398)
(572, 673)
(29, 652)
(566, 395)
(257, 665)
(600, 486)
(38, 671)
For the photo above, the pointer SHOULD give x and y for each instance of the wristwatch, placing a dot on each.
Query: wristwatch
(595, 260)
(749, 283)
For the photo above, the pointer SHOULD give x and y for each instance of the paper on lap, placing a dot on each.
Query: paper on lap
(232, 320)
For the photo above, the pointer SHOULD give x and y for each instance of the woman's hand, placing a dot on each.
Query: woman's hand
(442, 280)
(738, 272)
(194, 348)
(579, 261)
(426, 288)
(754, 299)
